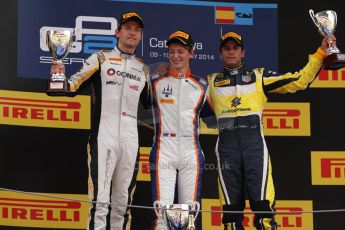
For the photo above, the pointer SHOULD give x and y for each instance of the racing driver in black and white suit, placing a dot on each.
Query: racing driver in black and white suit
(119, 79)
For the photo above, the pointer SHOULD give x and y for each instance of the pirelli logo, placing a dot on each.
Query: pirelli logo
(115, 59)
(179, 34)
(40, 110)
(328, 168)
(144, 164)
(286, 119)
(330, 79)
(41, 212)
(167, 101)
(220, 83)
(295, 220)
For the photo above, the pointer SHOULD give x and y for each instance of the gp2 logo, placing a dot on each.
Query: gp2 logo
(87, 40)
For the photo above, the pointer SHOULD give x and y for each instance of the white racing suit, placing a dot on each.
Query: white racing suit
(176, 155)
(118, 81)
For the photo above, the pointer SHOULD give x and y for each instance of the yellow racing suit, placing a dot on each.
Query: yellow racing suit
(238, 97)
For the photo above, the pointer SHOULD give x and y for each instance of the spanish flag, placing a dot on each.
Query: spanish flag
(225, 15)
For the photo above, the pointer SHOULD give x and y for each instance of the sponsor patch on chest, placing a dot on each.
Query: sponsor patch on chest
(167, 101)
(223, 82)
(246, 78)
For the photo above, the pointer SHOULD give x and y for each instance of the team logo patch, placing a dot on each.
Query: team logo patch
(110, 72)
(167, 91)
(246, 78)
(221, 83)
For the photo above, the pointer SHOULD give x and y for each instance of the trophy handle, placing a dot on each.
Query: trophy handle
(196, 207)
(312, 15)
(156, 206)
(191, 220)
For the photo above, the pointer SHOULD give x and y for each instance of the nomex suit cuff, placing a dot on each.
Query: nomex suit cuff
(320, 54)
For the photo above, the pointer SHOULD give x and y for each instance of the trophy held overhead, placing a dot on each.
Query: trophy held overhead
(326, 21)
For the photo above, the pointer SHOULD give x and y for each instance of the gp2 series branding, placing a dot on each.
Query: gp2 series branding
(87, 40)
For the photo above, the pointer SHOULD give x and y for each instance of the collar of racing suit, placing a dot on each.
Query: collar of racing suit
(176, 74)
(234, 71)
(123, 54)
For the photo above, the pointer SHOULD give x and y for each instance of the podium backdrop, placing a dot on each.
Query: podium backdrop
(43, 139)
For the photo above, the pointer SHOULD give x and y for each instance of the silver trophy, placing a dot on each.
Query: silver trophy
(178, 216)
(326, 21)
(59, 43)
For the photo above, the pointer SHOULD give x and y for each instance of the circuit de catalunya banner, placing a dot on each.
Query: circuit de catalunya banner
(97, 22)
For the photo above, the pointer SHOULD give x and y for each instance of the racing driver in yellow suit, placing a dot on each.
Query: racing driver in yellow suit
(238, 96)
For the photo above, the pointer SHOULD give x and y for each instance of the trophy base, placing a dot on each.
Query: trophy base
(58, 88)
(334, 61)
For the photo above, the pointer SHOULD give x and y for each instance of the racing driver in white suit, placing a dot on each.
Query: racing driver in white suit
(118, 79)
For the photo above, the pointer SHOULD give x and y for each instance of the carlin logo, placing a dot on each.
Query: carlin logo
(33, 211)
(328, 168)
(290, 218)
(286, 119)
(39, 110)
(144, 164)
(330, 79)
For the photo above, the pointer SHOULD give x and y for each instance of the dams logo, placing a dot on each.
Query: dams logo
(144, 164)
(40, 110)
(330, 79)
(41, 212)
(286, 119)
(328, 168)
(285, 220)
(280, 119)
